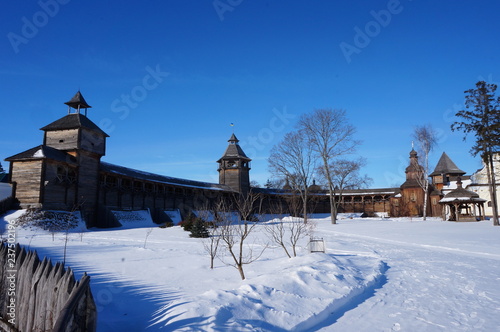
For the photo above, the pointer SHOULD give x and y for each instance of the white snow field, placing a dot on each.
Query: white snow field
(376, 275)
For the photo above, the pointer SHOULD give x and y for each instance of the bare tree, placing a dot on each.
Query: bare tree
(275, 183)
(297, 231)
(426, 138)
(254, 184)
(331, 136)
(276, 232)
(245, 205)
(211, 243)
(276, 228)
(148, 233)
(293, 160)
(286, 234)
(345, 175)
(234, 235)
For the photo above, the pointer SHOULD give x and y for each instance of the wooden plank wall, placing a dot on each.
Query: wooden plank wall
(62, 139)
(28, 176)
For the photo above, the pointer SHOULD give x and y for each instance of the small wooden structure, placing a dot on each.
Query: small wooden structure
(462, 205)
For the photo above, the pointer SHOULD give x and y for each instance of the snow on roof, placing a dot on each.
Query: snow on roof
(111, 168)
(469, 199)
(38, 154)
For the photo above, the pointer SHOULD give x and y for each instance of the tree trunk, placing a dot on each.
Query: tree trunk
(490, 171)
(240, 269)
(304, 207)
(426, 190)
(333, 207)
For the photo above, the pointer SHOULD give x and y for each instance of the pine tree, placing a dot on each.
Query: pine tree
(2, 171)
(199, 229)
(482, 118)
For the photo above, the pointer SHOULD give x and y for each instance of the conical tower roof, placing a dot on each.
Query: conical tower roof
(234, 150)
(446, 166)
(78, 102)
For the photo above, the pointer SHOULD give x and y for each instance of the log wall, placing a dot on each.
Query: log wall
(60, 186)
(28, 177)
(62, 139)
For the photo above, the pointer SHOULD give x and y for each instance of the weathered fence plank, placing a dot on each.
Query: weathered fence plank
(47, 296)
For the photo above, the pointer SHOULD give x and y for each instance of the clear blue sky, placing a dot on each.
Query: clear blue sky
(190, 68)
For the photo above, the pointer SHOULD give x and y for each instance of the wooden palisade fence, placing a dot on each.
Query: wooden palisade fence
(47, 296)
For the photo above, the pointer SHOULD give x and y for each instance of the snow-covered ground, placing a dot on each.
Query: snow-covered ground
(376, 275)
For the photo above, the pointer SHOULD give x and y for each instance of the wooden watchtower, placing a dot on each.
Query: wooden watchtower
(234, 167)
(63, 172)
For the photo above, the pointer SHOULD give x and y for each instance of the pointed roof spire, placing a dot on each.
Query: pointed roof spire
(78, 102)
(234, 150)
(233, 139)
(446, 166)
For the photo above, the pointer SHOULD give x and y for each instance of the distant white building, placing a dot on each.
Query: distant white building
(479, 183)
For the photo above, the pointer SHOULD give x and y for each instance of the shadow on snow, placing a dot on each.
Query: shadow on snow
(339, 307)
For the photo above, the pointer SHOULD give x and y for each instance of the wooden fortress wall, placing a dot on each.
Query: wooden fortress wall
(28, 178)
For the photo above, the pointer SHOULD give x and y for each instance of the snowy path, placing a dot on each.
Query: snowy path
(430, 287)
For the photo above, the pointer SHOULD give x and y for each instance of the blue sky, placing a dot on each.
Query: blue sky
(166, 78)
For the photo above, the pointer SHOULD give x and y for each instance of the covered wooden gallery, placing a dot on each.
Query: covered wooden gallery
(123, 188)
(369, 202)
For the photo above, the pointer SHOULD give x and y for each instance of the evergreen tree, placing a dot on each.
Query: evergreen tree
(2, 171)
(482, 118)
(199, 229)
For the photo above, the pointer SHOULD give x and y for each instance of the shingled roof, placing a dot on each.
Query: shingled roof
(43, 152)
(136, 174)
(73, 121)
(78, 102)
(234, 150)
(461, 194)
(446, 166)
